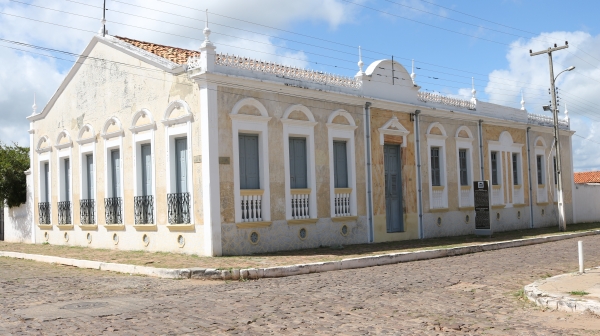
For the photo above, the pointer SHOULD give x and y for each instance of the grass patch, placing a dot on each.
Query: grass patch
(579, 293)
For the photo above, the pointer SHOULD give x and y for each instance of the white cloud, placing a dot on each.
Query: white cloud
(577, 89)
(23, 74)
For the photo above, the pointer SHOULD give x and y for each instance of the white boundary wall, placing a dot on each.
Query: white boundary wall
(586, 202)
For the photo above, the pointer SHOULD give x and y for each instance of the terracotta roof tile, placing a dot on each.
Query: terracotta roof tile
(173, 54)
(587, 177)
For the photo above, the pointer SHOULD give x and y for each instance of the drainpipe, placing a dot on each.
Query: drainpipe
(481, 177)
(529, 172)
(369, 173)
(419, 184)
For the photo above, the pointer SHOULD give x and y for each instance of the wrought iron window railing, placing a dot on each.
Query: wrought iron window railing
(44, 212)
(86, 211)
(64, 213)
(113, 210)
(144, 209)
(179, 208)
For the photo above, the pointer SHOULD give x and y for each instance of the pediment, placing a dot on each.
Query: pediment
(393, 127)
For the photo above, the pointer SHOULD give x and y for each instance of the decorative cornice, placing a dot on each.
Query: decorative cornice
(178, 120)
(295, 122)
(341, 127)
(113, 134)
(141, 128)
(249, 117)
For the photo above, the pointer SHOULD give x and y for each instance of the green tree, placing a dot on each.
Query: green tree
(14, 161)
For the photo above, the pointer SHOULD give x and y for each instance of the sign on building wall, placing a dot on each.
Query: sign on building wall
(482, 208)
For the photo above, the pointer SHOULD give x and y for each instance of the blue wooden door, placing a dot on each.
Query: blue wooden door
(393, 189)
(340, 164)
(298, 169)
(181, 165)
(115, 163)
(249, 169)
(146, 170)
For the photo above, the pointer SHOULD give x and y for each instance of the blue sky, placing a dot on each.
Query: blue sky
(450, 41)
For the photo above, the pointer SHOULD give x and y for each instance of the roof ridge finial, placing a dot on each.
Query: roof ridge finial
(34, 106)
(206, 30)
(473, 91)
(522, 101)
(360, 61)
(566, 112)
(413, 75)
(103, 30)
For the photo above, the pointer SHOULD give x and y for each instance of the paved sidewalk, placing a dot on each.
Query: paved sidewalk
(571, 292)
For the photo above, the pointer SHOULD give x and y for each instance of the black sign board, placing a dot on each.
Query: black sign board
(482, 208)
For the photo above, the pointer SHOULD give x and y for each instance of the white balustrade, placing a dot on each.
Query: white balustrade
(440, 99)
(542, 195)
(542, 120)
(341, 202)
(466, 198)
(300, 209)
(251, 206)
(518, 196)
(437, 197)
(247, 63)
(497, 196)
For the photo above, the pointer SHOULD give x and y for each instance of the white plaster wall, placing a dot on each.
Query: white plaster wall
(586, 198)
(17, 224)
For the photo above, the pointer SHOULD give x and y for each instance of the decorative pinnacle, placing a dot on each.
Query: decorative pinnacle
(206, 30)
(413, 75)
(34, 106)
(360, 62)
(473, 91)
(522, 101)
(566, 112)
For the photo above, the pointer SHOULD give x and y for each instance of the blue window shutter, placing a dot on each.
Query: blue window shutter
(146, 170)
(116, 173)
(298, 163)
(249, 168)
(340, 165)
(181, 165)
(90, 176)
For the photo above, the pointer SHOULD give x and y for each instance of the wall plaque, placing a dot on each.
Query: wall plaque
(224, 160)
(481, 193)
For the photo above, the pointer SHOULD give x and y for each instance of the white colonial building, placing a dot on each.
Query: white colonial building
(149, 147)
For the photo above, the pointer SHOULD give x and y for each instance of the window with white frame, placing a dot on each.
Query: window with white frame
(464, 146)
(142, 129)
(87, 168)
(436, 144)
(505, 166)
(299, 163)
(251, 169)
(342, 164)
(112, 133)
(541, 173)
(43, 150)
(180, 192)
(63, 152)
(495, 165)
(515, 169)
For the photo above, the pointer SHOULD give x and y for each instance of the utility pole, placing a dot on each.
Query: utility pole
(562, 226)
(104, 19)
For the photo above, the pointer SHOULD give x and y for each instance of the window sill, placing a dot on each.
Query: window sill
(65, 227)
(519, 205)
(342, 190)
(145, 227)
(467, 187)
(181, 227)
(517, 186)
(114, 227)
(344, 219)
(496, 186)
(438, 210)
(466, 208)
(45, 226)
(541, 186)
(440, 188)
(249, 225)
(542, 203)
(302, 221)
(499, 206)
(299, 191)
(88, 227)
(251, 192)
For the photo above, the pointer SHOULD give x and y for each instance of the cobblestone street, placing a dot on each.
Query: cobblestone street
(471, 294)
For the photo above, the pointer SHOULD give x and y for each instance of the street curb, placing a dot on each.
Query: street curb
(291, 270)
(559, 302)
